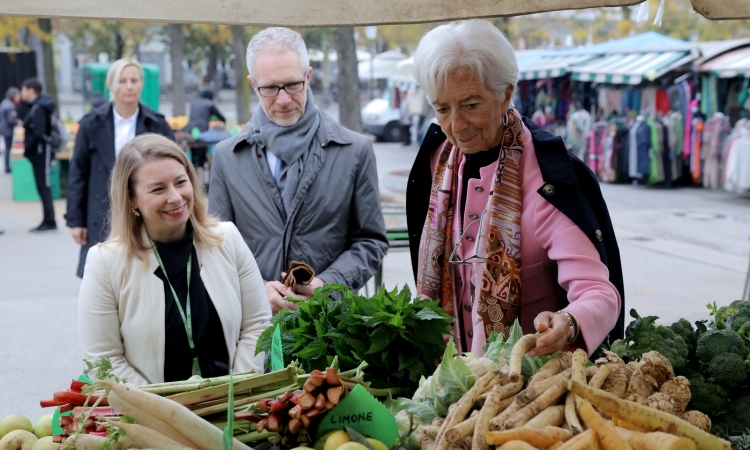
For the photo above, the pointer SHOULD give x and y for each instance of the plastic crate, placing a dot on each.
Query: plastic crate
(24, 185)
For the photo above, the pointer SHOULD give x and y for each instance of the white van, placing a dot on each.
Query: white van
(379, 117)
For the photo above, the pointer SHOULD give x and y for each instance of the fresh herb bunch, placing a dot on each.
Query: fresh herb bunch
(400, 338)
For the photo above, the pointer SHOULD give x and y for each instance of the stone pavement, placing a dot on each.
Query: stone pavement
(681, 249)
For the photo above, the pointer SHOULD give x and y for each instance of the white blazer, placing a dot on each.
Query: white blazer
(121, 306)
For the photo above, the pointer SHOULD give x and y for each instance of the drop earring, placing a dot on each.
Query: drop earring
(135, 212)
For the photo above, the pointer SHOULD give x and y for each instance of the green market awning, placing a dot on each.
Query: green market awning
(729, 65)
(630, 68)
(548, 66)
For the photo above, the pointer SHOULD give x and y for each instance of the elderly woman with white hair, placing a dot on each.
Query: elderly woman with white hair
(103, 131)
(503, 222)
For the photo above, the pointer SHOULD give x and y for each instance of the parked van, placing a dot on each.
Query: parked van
(379, 117)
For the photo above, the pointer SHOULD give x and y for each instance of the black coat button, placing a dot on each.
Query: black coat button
(471, 334)
(467, 307)
(473, 216)
(548, 190)
(479, 189)
(598, 234)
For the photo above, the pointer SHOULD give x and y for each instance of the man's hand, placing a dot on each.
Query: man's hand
(306, 290)
(80, 235)
(556, 339)
(277, 292)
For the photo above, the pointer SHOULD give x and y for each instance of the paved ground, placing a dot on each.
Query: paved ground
(681, 249)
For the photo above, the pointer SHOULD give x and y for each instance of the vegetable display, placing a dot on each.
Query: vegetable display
(715, 361)
(400, 338)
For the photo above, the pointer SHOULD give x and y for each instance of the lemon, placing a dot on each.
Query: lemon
(351, 446)
(336, 439)
(376, 444)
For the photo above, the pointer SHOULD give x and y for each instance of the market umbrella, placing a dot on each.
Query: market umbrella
(318, 13)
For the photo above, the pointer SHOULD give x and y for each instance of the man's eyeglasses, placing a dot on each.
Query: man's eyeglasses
(290, 88)
(474, 258)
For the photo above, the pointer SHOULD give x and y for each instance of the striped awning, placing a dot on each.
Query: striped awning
(548, 66)
(729, 65)
(630, 68)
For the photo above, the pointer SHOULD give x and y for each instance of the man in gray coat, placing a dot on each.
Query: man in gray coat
(298, 185)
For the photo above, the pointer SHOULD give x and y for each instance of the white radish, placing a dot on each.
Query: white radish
(146, 437)
(87, 441)
(146, 419)
(202, 433)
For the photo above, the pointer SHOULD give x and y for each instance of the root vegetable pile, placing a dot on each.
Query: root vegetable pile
(567, 405)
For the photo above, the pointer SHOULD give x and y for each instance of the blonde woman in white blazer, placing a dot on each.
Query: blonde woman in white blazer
(172, 292)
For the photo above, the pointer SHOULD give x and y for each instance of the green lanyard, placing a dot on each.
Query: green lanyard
(186, 318)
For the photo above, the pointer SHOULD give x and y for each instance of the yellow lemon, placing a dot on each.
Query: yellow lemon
(336, 439)
(376, 444)
(351, 446)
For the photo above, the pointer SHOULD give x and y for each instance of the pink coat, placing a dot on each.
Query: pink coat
(550, 243)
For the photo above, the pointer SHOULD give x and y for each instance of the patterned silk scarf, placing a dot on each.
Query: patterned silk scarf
(500, 291)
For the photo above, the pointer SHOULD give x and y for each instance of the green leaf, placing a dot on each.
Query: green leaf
(424, 412)
(315, 350)
(494, 345)
(428, 314)
(717, 344)
(454, 375)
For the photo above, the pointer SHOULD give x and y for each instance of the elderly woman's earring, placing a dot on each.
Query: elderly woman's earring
(505, 118)
(135, 212)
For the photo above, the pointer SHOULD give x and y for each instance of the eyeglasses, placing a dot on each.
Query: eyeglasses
(474, 258)
(290, 88)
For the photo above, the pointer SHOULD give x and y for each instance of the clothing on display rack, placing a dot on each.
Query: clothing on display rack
(716, 131)
(737, 161)
(579, 124)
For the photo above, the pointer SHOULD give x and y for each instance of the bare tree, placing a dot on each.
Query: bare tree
(50, 84)
(176, 44)
(241, 85)
(348, 79)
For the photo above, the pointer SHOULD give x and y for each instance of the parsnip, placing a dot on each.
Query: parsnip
(548, 398)
(571, 415)
(647, 418)
(543, 437)
(655, 440)
(463, 406)
(498, 421)
(517, 445)
(553, 416)
(552, 367)
(523, 345)
(491, 408)
(605, 431)
(194, 428)
(535, 390)
(584, 441)
(578, 369)
(600, 376)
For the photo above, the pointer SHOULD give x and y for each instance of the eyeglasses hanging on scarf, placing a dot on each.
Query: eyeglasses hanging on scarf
(474, 258)
(186, 314)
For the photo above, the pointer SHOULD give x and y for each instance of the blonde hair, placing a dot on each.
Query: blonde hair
(125, 227)
(114, 72)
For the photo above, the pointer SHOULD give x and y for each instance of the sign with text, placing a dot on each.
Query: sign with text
(361, 411)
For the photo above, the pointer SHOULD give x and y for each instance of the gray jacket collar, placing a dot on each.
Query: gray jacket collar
(328, 131)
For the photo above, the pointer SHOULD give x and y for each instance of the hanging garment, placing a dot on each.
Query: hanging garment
(640, 149)
(608, 169)
(648, 101)
(662, 102)
(595, 146)
(622, 150)
(667, 158)
(717, 129)
(696, 171)
(656, 169)
(737, 168)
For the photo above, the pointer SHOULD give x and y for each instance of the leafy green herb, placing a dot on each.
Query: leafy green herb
(399, 337)
(114, 434)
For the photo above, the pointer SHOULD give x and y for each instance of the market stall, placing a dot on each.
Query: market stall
(403, 387)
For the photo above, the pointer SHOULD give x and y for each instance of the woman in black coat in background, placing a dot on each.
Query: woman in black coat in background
(102, 133)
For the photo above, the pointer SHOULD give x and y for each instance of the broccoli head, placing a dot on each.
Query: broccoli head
(728, 370)
(706, 397)
(736, 421)
(685, 330)
(744, 332)
(665, 341)
(726, 313)
(716, 342)
(737, 321)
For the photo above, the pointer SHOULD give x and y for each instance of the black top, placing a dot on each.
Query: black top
(472, 165)
(208, 334)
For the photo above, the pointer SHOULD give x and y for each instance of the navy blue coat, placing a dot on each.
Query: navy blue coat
(577, 195)
(91, 166)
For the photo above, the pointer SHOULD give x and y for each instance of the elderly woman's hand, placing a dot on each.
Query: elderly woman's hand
(558, 337)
